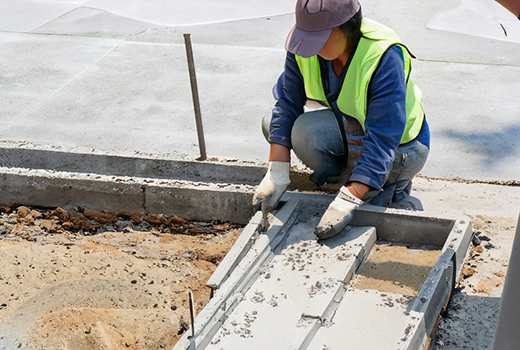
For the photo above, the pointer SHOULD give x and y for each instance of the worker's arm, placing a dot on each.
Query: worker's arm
(289, 94)
(279, 153)
(384, 124)
(358, 189)
(290, 97)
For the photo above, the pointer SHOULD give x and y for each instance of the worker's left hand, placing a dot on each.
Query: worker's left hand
(338, 214)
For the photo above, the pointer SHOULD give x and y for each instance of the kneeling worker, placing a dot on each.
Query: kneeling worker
(370, 130)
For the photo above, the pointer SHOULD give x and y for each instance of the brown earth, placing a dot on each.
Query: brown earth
(86, 279)
(396, 268)
(470, 320)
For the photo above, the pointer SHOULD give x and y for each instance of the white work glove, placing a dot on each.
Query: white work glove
(338, 214)
(272, 186)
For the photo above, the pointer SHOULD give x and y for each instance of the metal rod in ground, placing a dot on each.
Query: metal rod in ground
(195, 96)
(192, 313)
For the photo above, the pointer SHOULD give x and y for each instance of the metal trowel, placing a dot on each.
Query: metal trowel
(265, 216)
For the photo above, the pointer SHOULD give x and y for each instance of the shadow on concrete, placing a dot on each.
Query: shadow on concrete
(495, 146)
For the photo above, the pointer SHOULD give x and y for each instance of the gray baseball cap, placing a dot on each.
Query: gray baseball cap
(315, 20)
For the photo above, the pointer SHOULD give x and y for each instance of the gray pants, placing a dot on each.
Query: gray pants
(318, 143)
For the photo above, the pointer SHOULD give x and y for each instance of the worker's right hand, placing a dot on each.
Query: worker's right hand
(272, 186)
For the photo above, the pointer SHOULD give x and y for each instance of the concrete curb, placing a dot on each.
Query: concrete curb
(135, 166)
(195, 190)
(193, 201)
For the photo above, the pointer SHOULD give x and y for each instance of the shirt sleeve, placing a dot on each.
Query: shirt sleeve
(289, 93)
(385, 121)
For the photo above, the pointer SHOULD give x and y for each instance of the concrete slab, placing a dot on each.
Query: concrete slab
(443, 42)
(483, 18)
(152, 108)
(368, 319)
(269, 31)
(198, 11)
(137, 99)
(24, 16)
(36, 67)
(87, 21)
(483, 133)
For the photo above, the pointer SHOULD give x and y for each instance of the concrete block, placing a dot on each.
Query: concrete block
(46, 190)
(202, 203)
(118, 165)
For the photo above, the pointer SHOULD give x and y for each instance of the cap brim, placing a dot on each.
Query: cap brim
(306, 44)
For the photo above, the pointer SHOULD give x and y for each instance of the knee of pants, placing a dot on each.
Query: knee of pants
(408, 162)
(317, 141)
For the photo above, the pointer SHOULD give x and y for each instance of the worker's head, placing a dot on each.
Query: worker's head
(319, 20)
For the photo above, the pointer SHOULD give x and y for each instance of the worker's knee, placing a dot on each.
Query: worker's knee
(409, 160)
(318, 143)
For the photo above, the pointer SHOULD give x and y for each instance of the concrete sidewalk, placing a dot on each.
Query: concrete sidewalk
(110, 77)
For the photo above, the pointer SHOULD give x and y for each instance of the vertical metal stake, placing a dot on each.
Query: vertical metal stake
(195, 96)
(192, 314)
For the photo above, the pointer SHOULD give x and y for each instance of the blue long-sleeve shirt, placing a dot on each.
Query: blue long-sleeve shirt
(385, 119)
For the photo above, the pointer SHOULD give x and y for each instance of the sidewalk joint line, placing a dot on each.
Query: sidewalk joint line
(61, 88)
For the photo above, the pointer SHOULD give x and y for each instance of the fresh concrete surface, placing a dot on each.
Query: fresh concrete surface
(392, 326)
(300, 282)
(111, 77)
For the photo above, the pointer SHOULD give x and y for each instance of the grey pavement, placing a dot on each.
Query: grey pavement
(110, 77)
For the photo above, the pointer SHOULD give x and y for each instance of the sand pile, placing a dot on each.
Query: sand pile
(85, 279)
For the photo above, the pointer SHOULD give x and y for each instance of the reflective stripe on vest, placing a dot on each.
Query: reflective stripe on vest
(352, 99)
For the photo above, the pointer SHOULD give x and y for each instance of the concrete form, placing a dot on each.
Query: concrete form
(285, 289)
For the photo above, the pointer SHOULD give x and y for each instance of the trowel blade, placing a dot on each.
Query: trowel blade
(265, 216)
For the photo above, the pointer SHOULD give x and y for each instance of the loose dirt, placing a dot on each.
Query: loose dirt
(103, 280)
(470, 319)
(396, 268)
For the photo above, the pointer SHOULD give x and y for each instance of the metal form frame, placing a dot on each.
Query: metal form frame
(253, 251)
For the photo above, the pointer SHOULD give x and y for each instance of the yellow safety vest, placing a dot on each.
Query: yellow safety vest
(352, 99)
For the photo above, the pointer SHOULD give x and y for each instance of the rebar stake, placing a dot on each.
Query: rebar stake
(192, 313)
(195, 96)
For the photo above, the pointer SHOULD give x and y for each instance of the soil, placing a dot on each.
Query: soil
(86, 279)
(396, 268)
(470, 319)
